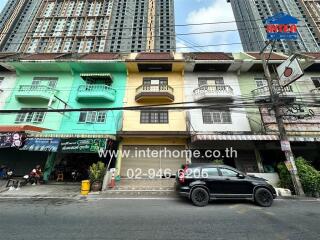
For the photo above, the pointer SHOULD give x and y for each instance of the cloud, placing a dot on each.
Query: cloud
(217, 11)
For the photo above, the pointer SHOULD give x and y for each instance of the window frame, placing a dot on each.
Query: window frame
(92, 117)
(151, 119)
(215, 115)
(206, 79)
(30, 117)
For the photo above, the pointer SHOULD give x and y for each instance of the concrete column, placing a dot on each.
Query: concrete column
(258, 159)
(49, 166)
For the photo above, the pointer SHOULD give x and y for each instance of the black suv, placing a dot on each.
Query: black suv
(204, 182)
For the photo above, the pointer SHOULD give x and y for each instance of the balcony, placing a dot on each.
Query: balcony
(95, 93)
(262, 94)
(35, 93)
(162, 93)
(316, 94)
(213, 92)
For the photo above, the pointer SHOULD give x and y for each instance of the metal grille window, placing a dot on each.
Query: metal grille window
(210, 81)
(92, 117)
(154, 117)
(211, 116)
(34, 117)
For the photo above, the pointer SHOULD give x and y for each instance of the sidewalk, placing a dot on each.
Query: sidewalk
(45, 190)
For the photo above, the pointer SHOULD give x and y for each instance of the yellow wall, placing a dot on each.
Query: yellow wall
(131, 119)
(154, 141)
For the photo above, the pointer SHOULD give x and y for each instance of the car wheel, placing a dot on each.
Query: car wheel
(200, 197)
(263, 197)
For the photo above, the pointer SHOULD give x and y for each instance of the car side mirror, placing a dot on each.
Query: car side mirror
(240, 175)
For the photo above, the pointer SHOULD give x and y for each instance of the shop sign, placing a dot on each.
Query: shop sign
(289, 71)
(84, 145)
(12, 139)
(42, 144)
(282, 26)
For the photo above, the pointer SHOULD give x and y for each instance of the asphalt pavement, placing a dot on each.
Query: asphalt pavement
(166, 218)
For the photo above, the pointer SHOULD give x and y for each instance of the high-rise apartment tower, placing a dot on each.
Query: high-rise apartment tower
(251, 14)
(81, 26)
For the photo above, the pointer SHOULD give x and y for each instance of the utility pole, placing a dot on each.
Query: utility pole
(275, 100)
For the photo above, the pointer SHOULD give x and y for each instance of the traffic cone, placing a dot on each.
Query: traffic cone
(112, 182)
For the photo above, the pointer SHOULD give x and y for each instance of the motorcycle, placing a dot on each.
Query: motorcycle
(6, 173)
(30, 178)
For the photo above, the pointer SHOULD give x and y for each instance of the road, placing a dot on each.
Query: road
(156, 219)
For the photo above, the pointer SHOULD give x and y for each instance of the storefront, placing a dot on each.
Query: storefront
(150, 157)
(13, 152)
(78, 154)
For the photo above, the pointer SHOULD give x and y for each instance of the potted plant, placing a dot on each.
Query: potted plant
(96, 174)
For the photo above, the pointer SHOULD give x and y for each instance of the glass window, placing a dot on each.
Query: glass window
(212, 172)
(154, 117)
(35, 117)
(92, 117)
(211, 116)
(101, 117)
(228, 173)
(210, 81)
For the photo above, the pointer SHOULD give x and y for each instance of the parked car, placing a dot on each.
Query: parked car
(204, 182)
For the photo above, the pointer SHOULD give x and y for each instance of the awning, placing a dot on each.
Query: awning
(20, 128)
(91, 77)
(74, 135)
(210, 137)
(41, 144)
(95, 75)
(217, 137)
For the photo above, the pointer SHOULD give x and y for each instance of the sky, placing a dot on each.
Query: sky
(202, 11)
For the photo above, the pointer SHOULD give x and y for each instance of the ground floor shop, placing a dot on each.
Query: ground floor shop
(58, 156)
(22, 162)
(147, 157)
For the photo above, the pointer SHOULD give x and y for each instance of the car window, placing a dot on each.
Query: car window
(228, 172)
(210, 172)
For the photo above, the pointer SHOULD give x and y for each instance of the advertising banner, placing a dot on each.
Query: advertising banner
(41, 144)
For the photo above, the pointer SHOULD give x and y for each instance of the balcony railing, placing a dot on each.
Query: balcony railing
(35, 93)
(263, 93)
(156, 92)
(207, 92)
(96, 92)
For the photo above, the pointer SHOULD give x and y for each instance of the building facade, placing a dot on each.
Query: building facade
(218, 102)
(251, 14)
(153, 79)
(312, 10)
(69, 140)
(34, 26)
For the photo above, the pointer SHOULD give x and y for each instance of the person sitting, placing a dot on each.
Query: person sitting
(37, 173)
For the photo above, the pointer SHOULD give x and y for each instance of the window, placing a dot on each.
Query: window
(154, 117)
(315, 80)
(47, 81)
(210, 81)
(92, 117)
(212, 172)
(30, 117)
(228, 173)
(211, 116)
